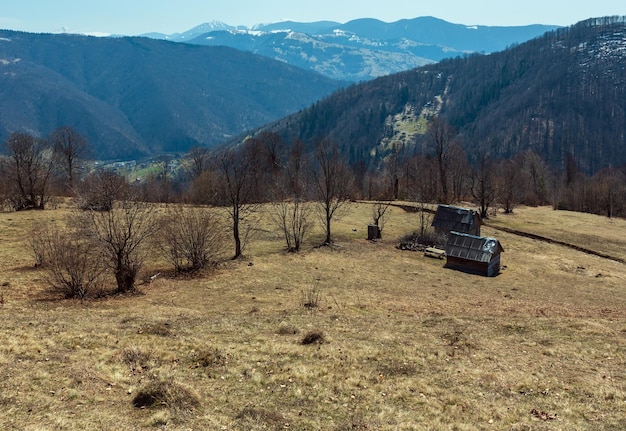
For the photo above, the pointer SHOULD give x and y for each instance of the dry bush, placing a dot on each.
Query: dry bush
(38, 244)
(137, 359)
(192, 239)
(71, 265)
(313, 337)
(166, 393)
(211, 357)
(121, 236)
(293, 218)
(310, 297)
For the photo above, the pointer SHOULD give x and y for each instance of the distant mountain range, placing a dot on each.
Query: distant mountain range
(362, 49)
(137, 97)
(562, 95)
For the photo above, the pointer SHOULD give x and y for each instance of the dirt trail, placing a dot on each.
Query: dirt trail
(557, 242)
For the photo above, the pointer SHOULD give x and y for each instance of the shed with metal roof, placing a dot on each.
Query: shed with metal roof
(455, 219)
(473, 254)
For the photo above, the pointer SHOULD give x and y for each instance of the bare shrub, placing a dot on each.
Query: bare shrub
(69, 260)
(310, 297)
(293, 217)
(121, 236)
(192, 238)
(38, 244)
(167, 393)
(137, 359)
(313, 337)
(209, 357)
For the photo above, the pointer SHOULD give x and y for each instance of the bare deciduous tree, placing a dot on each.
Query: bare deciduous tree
(203, 190)
(192, 238)
(29, 168)
(69, 146)
(442, 136)
(536, 174)
(99, 190)
(237, 173)
(121, 236)
(380, 210)
(509, 183)
(483, 183)
(332, 184)
(291, 212)
(198, 161)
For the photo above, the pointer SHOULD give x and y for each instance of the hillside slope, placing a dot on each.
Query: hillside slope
(561, 94)
(133, 97)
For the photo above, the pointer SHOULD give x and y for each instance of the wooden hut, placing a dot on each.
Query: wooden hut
(454, 219)
(473, 254)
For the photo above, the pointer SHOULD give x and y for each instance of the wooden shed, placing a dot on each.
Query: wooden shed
(473, 254)
(454, 219)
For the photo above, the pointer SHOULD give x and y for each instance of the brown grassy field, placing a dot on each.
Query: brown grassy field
(397, 341)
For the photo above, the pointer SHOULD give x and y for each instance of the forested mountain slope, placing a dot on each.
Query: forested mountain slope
(561, 95)
(134, 97)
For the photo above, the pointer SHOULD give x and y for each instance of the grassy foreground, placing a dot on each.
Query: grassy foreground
(397, 342)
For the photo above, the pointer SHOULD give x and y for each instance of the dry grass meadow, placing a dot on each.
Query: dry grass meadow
(396, 342)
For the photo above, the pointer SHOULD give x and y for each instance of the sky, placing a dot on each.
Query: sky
(133, 17)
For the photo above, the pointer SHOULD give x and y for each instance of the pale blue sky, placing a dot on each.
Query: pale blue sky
(132, 17)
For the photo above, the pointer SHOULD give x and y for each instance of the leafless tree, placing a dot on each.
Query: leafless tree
(483, 183)
(442, 136)
(459, 172)
(203, 190)
(380, 210)
(332, 183)
(610, 191)
(237, 173)
(509, 184)
(121, 236)
(198, 161)
(99, 190)
(392, 170)
(29, 167)
(69, 147)
(291, 211)
(536, 175)
(192, 238)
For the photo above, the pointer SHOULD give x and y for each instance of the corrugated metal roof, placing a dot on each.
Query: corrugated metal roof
(454, 218)
(470, 247)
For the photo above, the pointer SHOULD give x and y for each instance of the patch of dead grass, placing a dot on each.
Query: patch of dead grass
(413, 346)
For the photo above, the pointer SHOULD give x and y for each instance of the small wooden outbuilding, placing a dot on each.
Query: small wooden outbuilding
(455, 219)
(473, 254)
